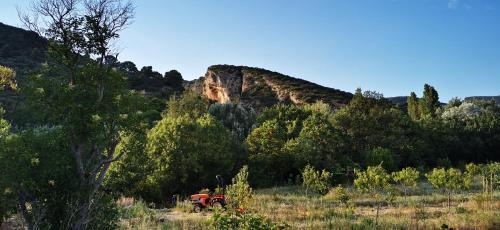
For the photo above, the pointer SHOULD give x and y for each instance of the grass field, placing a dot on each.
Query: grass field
(423, 208)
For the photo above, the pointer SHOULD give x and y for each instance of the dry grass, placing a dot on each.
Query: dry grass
(424, 209)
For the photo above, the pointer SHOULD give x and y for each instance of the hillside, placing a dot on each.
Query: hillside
(260, 88)
(20, 49)
(486, 98)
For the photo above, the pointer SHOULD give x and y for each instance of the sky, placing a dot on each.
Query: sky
(390, 46)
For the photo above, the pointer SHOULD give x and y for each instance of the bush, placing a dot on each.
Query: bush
(227, 221)
(316, 181)
(339, 194)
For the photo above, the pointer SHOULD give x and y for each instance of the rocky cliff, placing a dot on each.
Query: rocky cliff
(259, 88)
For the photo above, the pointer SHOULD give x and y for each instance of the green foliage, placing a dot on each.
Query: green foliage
(128, 174)
(429, 102)
(489, 175)
(138, 209)
(374, 180)
(239, 193)
(318, 144)
(268, 163)
(372, 122)
(4, 125)
(234, 117)
(187, 154)
(302, 135)
(340, 194)
(7, 78)
(231, 221)
(407, 177)
(412, 102)
(447, 179)
(316, 181)
(37, 170)
(381, 156)
(190, 104)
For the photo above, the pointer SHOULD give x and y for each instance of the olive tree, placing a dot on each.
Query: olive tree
(448, 180)
(407, 178)
(375, 180)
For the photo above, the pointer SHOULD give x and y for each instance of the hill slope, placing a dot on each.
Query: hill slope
(486, 98)
(20, 49)
(259, 88)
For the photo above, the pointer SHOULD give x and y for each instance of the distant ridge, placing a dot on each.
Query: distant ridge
(259, 88)
(484, 98)
(21, 50)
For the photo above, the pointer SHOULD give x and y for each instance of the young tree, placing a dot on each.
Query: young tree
(239, 193)
(316, 181)
(375, 180)
(449, 180)
(80, 91)
(407, 178)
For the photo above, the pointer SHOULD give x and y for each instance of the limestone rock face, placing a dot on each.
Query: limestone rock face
(259, 88)
(223, 86)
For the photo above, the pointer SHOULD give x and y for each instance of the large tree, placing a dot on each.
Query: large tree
(80, 90)
(187, 154)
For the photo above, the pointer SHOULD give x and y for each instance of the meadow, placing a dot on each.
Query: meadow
(423, 208)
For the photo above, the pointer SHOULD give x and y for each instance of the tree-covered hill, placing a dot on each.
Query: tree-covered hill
(20, 49)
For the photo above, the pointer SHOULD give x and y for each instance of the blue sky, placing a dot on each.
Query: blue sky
(391, 46)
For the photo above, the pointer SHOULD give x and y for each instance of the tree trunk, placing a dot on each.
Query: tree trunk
(376, 216)
(449, 201)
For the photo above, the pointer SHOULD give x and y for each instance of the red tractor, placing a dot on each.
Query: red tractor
(202, 201)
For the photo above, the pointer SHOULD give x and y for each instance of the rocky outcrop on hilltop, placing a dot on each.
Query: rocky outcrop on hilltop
(259, 88)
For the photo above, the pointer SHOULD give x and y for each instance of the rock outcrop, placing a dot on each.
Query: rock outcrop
(259, 88)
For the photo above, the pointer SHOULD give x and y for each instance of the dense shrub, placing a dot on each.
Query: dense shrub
(232, 221)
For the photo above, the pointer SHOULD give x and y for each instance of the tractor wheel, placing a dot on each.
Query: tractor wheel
(218, 205)
(197, 208)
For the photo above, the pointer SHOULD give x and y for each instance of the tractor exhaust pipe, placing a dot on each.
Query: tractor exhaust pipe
(220, 182)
